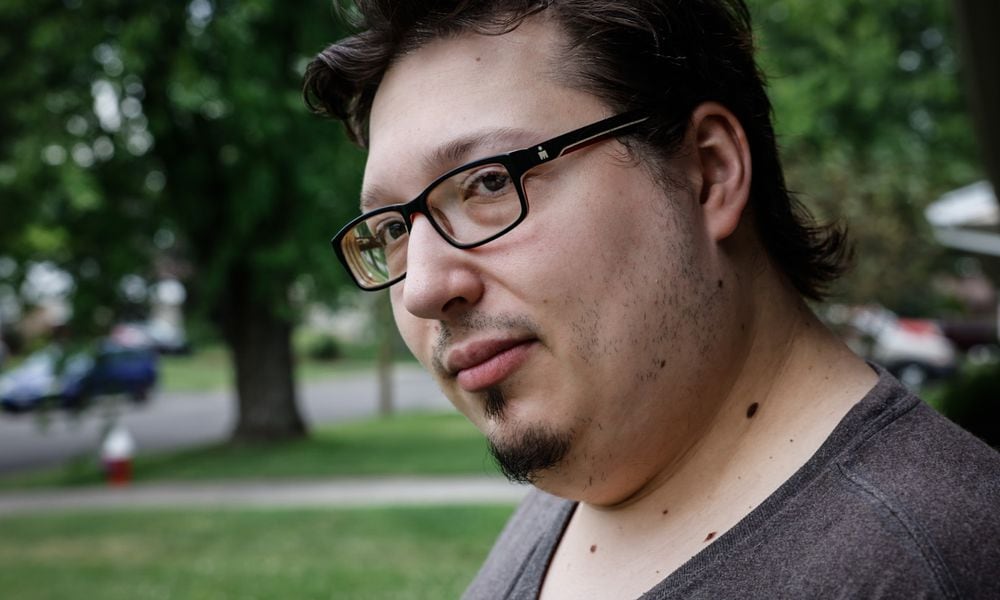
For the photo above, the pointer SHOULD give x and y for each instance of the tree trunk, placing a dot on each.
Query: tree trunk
(260, 345)
(980, 45)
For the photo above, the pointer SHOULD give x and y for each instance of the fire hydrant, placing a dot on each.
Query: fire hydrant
(116, 456)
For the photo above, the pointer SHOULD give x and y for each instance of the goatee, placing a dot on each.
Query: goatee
(528, 452)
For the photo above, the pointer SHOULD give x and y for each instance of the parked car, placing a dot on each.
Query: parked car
(31, 384)
(977, 336)
(71, 382)
(914, 350)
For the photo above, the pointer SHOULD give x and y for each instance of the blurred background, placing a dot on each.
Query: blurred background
(172, 317)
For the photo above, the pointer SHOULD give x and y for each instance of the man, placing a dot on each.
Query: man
(579, 212)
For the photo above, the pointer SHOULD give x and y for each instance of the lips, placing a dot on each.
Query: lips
(479, 365)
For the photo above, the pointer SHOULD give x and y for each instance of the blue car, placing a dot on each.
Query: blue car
(71, 382)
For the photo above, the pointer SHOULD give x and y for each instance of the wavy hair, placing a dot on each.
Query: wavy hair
(662, 56)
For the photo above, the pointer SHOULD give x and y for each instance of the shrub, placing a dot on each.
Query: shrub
(324, 347)
(973, 401)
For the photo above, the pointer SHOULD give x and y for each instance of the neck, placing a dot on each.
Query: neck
(795, 382)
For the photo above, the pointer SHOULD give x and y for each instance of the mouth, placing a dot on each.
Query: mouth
(480, 365)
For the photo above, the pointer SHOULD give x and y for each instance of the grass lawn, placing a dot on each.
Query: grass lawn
(211, 369)
(407, 444)
(400, 553)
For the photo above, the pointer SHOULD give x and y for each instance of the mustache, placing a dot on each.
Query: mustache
(474, 322)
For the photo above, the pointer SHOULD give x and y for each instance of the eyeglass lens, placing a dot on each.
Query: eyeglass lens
(466, 208)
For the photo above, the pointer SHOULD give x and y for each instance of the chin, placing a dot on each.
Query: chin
(526, 454)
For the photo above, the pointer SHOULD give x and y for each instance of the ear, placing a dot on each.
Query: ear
(723, 161)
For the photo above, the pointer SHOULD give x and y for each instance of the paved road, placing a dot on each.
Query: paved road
(171, 421)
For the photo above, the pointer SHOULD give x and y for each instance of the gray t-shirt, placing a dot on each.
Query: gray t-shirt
(897, 503)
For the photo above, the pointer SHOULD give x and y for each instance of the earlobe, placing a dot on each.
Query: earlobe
(723, 161)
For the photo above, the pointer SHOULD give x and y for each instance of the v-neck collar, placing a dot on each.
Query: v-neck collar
(883, 404)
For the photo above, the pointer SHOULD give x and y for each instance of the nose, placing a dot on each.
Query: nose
(441, 280)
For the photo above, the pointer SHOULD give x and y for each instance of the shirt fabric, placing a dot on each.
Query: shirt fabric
(898, 502)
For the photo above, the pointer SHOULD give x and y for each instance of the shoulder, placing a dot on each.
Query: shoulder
(523, 546)
(932, 490)
(899, 502)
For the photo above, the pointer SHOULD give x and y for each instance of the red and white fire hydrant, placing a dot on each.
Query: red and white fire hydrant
(116, 455)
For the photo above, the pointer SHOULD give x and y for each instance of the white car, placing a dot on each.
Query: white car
(914, 350)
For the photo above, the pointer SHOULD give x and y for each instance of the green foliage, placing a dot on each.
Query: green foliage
(399, 553)
(135, 131)
(151, 140)
(70, 193)
(173, 132)
(972, 401)
(255, 184)
(324, 347)
(873, 127)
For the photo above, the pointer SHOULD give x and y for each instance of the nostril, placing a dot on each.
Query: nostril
(452, 304)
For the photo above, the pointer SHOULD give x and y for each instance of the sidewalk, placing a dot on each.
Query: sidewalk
(339, 493)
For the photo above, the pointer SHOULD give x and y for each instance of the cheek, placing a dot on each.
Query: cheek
(623, 261)
(636, 289)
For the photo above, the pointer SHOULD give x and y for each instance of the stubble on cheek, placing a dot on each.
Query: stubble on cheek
(586, 332)
(660, 313)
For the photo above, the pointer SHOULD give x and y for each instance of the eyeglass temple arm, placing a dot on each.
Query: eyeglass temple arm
(583, 137)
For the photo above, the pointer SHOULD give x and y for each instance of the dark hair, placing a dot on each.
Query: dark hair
(662, 56)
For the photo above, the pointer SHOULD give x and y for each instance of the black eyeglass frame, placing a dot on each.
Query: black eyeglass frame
(517, 163)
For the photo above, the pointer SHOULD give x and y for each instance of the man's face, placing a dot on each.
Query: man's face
(578, 341)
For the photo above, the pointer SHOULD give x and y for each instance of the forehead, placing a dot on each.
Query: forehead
(465, 97)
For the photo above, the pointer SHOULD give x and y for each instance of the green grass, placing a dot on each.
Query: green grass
(407, 444)
(398, 553)
(210, 369)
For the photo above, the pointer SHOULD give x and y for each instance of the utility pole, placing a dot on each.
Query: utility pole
(385, 327)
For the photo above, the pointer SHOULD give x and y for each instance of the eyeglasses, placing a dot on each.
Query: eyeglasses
(468, 206)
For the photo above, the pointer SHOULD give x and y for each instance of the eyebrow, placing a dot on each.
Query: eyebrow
(455, 153)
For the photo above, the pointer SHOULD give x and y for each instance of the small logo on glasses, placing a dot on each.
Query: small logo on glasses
(543, 154)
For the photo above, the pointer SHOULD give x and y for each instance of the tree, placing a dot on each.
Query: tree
(137, 131)
(65, 183)
(254, 183)
(873, 126)
(978, 22)
(213, 158)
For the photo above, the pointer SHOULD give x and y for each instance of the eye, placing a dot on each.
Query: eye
(494, 182)
(489, 182)
(390, 231)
